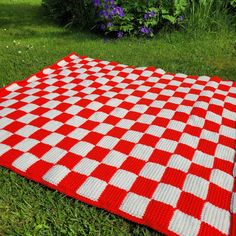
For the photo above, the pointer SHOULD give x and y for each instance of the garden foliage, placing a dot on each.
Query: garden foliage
(137, 17)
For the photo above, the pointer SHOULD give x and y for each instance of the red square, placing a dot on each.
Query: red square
(38, 169)
(104, 172)
(160, 157)
(194, 204)
(93, 137)
(207, 146)
(149, 140)
(174, 177)
(8, 157)
(200, 171)
(71, 183)
(219, 197)
(158, 214)
(70, 160)
(40, 149)
(185, 151)
(65, 129)
(133, 165)
(140, 127)
(172, 134)
(64, 117)
(144, 187)
(89, 125)
(40, 134)
(98, 153)
(124, 146)
(117, 132)
(13, 140)
(67, 143)
(16, 114)
(14, 126)
(40, 121)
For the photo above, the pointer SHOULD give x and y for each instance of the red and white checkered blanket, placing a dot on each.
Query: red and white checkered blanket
(153, 147)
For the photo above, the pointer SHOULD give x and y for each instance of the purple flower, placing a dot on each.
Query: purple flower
(120, 34)
(145, 30)
(109, 24)
(181, 18)
(96, 3)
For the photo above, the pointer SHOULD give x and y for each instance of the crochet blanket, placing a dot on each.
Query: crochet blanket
(153, 147)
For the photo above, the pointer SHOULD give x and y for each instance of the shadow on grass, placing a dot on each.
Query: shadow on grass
(26, 20)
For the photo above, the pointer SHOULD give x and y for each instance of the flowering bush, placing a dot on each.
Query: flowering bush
(140, 17)
(136, 17)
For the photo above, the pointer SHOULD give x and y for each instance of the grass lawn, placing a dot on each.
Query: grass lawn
(29, 42)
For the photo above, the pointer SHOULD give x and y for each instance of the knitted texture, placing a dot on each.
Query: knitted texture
(153, 147)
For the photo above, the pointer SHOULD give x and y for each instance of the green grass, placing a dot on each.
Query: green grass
(29, 42)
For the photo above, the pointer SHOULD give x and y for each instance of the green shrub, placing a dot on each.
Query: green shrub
(142, 17)
(71, 12)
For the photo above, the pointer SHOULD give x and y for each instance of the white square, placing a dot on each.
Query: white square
(152, 171)
(98, 116)
(132, 136)
(189, 140)
(53, 139)
(54, 155)
(196, 185)
(114, 102)
(95, 105)
(155, 130)
(176, 125)
(108, 142)
(56, 174)
(166, 113)
(167, 145)
(143, 88)
(92, 188)
(86, 166)
(4, 148)
(82, 148)
(203, 159)
(51, 104)
(225, 153)
(196, 121)
(51, 114)
(142, 152)
(26, 119)
(151, 96)
(132, 99)
(158, 104)
(227, 131)
(213, 117)
(125, 123)
(103, 128)
(76, 121)
(78, 133)
(123, 179)
(183, 224)
(119, 112)
(139, 108)
(210, 136)
(114, 158)
(180, 163)
(222, 179)
(26, 144)
(73, 110)
(167, 194)
(4, 135)
(27, 131)
(52, 125)
(25, 161)
(29, 107)
(216, 217)
(146, 119)
(135, 205)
